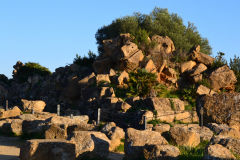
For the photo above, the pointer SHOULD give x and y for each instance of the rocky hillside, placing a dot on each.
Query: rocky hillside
(135, 90)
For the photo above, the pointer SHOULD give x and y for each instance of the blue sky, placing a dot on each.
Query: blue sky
(51, 32)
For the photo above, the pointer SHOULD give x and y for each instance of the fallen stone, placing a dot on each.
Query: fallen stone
(222, 78)
(161, 152)
(184, 137)
(91, 144)
(46, 149)
(202, 90)
(187, 66)
(136, 140)
(10, 113)
(37, 106)
(214, 152)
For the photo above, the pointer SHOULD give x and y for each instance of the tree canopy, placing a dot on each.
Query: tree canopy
(159, 22)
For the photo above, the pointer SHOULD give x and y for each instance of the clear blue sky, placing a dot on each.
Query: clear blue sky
(51, 32)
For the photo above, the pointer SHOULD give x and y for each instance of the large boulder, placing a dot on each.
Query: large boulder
(46, 149)
(114, 133)
(10, 113)
(88, 80)
(198, 69)
(163, 45)
(187, 66)
(202, 58)
(136, 140)
(232, 144)
(37, 106)
(203, 90)
(161, 152)
(123, 78)
(161, 128)
(91, 144)
(214, 152)
(205, 133)
(75, 120)
(222, 78)
(150, 66)
(220, 108)
(56, 132)
(184, 137)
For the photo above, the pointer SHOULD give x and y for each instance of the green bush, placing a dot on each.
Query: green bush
(4, 79)
(219, 61)
(141, 83)
(85, 61)
(30, 69)
(159, 22)
(235, 66)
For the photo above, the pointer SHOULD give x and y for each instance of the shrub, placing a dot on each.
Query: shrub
(85, 61)
(219, 61)
(30, 69)
(159, 22)
(235, 66)
(4, 79)
(141, 83)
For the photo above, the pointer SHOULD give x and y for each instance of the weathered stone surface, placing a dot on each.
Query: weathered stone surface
(204, 132)
(103, 78)
(149, 115)
(220, 108)
(218, 152)
(45, 149)
(161, 128)
(164, 44)
(178, 105)
(203, 90)
(76, 120)
(91, 143)
(198, 69)
(125, 106)
(217, 128)
(114, 133)
(228, 142)
(123, 78)
(133, 61)
(166, 116)
(115, 136)
(197, 78)
(222, 77)
(56, 132)
(34, 127)
(170, 75)
(187, 66)
(230, 132)
(10, 113)
(135, 141)
(37, 116)
(128, 50)
(37, 106)
(184, 137)
(150, 67)
(159, 104)
(183, 116)
(161, 152)
(88, 80)
(202, 58)
(107, 92)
